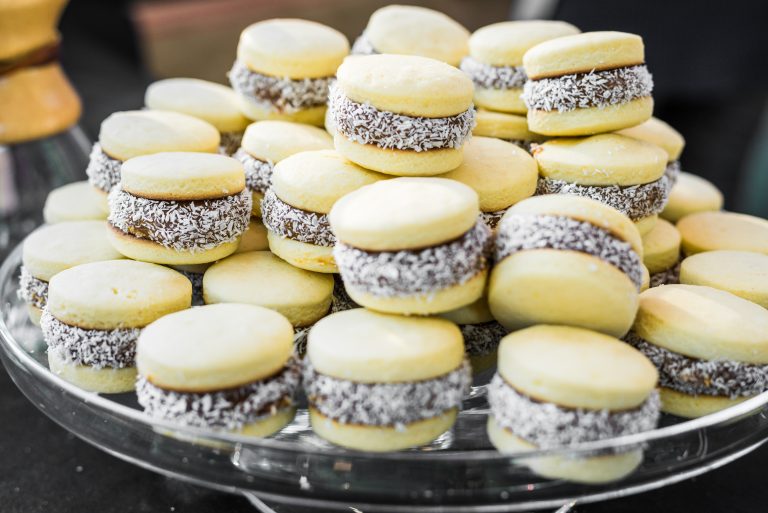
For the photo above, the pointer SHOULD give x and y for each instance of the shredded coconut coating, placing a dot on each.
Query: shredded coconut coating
(340, 301)
(547, 425)
(95, 348)
(672, 172)
(406, 273)
(230, 142)
(293, 223)
(386, 404)
(634, 201)
(363, 46)
(229, 409)
(31, 290)
(584, 90)
(522, 232)
(197, 286)
(493, 77)
(669, 277)
(364, 124)
(279, 94)
(258, 173)
(103, 171)
(181, 225)
(492, 218)
(692, 376)
(482, 339)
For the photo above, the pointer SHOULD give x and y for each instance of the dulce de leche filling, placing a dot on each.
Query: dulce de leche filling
(32, 290)
(493, 77)
(293, 223)
(103, 171)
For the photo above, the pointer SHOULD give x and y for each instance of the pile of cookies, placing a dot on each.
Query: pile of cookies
(374, 229)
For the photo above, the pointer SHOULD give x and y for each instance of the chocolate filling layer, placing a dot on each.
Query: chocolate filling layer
(230, 142)
(364, 124)
(723, 378)
(279, 94)
(547, 425)
(409, 272)
(258, 173)
(522, 232)
(492, 218)
(32, 290)
(634, 201)
(181, 225)
(293, 223)
(385, 404)
(340, 301)
(482, 339)
(197, 286)
(584, 90)
(668, 277)
(103, 171)
(229, 409)
(493, 77)
(95, 348)
(363, 46)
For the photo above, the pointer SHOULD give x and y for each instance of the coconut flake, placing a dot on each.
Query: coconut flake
(103, 171)
(258, 173)
(670, 276)
(32, 290)
(293, 223)
(493, 77)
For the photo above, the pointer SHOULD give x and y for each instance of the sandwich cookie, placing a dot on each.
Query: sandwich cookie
(295, 208)
(94, 316)
(495, 61)
(260, 278)
(179, 208)
(742, 273)
(254, 238)
(587, 83)
(412, 245)
(621, 172)
(559, 386)
(499, 172)
(661, 253)
(54, 248)
(509, 127)
(223, 367)
(401, 115)
(710, 346)
(401, 388)
(657, 132)
(129, 134)
(266, 143)
(481, 333)
(708, 231)
(284, 67)
(76, 201)
(691, 194)
(211, 102)
(569, 260)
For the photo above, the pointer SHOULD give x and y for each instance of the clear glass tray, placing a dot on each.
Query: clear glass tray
(459, 472)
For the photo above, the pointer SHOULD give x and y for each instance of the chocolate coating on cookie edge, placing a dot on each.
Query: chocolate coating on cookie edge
(32, 290)
(493, 77)
(293, 223)
(103, 171)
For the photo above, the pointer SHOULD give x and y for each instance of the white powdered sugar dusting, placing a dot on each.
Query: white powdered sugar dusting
(293, 223)
(493, 77)
(482, 339)
(103, 171)
(31, 290)
(670, 276)
(258, 173)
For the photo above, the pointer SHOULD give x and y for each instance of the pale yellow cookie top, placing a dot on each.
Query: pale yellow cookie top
(646, 224)
(474, 313)
(582, 53)
(406, 84)
(404, 213)
(505, 43)
(272, 141)
(656, 131)
(661, 246)
(707, 231)
(209, 101)
(182, 176)
(254, 238)
(605, 159)
(743, 273)
(689, 195)
(503, 126)
(413, 30)
(117, 294)
(53, 248)
(315, 180)
(576, 368)
(214, 347)
(261, 278)
(703, 322)
(292, 48)
(77, 201)
(128, 134)
(370, 347)
(500, 172)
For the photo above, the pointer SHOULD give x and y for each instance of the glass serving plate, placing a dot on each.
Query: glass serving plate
(458, 472)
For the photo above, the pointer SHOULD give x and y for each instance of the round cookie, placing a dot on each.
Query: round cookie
(689, 195)
(708, 231)
(661, 253)
(646, 224)
(742, 273)
(510, 127)
(656, 131)
(254, 238)
(76, 201)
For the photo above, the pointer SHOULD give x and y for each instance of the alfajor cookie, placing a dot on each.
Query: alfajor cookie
(689, 195)
(401, 388)
(76, 201)
(179, 208)
(708, 231)
(94, 316)
(495, 61)
(129, 134)
(587, 83)
(661, 253)
(742, 273)
(224, 367)
(266, 143)
(401, 115)
(710, 346)
(559, 386)
(413, 30)
(509, 127)
(563, 259)
(656, 131)
(482, 333)
(499, 172)
(411, 245)
(211, 102)
(295, 208)
(284, 67)
(54, 248)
